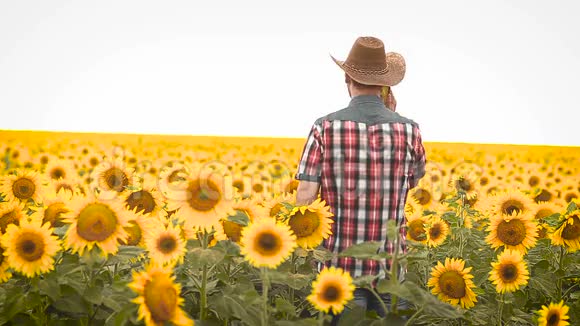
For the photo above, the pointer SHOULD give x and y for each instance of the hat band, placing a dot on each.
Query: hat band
(367, 72)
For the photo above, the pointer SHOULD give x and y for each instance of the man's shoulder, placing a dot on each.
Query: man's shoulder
(378, 116)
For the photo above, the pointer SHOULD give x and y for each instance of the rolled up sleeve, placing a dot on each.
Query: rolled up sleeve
(419, 161)
(310, 165)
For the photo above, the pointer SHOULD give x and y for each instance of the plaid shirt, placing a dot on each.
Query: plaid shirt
(366, 159)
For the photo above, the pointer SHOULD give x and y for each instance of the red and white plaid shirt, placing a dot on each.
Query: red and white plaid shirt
(366, 159)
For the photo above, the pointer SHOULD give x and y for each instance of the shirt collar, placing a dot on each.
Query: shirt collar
(365, 99)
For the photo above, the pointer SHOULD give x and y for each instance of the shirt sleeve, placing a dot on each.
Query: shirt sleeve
(310, 165)
(419, 161)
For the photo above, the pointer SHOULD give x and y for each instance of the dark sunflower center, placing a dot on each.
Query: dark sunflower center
(141, 201)
(30, 246)
(233, 230)
(203, 198)
(435, 178)
(8, 218)
(267, 244)
(96, 222)
(65, 186)
(572, 231)
(134, 232)
(275, 209)
(533, 181)
(1, 256)
(435, 231)
(93, 161)
(331, 293)
(116, 179)
(291, 186)
(544, 195)
(257, 187)
(452, 284)
(422, 196)
(509, 273)
(553, 318)
(239, 184)
(304, 225)
(540, 214)
(23, 188)
(570, 196)
(161, 299)
(511, 233)
(484, 181)
(416, 230)
(174, 176)
(44, 159)
(57, 173)
(463, 184)
(512, 206)
(52, 214)
(166, 244)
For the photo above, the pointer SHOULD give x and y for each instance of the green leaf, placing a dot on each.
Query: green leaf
(364, 281)
(365, 250)
(392, 230)
(322, 254)
(239, 217)
(49, 287)
(295, 281)
(94, 295)
(199, 257)
(352, 316)
(284, 306)
(125, 254)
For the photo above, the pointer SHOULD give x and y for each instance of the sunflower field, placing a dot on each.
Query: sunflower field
(101, 229)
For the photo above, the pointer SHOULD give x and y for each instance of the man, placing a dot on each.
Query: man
(364, 159)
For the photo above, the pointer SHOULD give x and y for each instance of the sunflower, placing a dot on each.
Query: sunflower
(158, 297)
(310, 223)
(510, 272)
(568, 234)
(556, 314)
(11, 213)
(277, 204)
(5, 274)
(144, 199)
(437, 231)
(545, 231)
(511, 201)
(22, 186)
(416, 230)
(229, 229)
(544, 209)
(332, 290)
(58, 169)
(30, 247)
(142, 227)
(515, 231)
(465, 183)
(166, 246)
(242, 183)
(422, 195)
(453, 283)
(204, 200)
(266, 243)
(54, 206)
(96, 223)
(110, 178)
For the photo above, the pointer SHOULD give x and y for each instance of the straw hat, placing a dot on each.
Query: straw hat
(368, 64)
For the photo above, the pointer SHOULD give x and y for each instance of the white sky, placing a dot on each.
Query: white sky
(486, 71)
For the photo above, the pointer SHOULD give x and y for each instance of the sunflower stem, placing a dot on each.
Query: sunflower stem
(265, 285)
(203, 287)
(394, 273)
(559, 283)
(383, 305)
(291, 289)
(500, 310)
(415, 315)
(321, 318)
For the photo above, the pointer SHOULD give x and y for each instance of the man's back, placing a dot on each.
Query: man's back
(365, 158)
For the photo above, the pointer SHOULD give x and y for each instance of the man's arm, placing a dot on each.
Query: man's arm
(418, 168)
(307, 192)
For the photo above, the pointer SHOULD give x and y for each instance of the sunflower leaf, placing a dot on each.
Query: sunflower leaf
(295, 281)
(365, 250)
(240, 218)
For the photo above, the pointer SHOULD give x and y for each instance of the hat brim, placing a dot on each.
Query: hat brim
(394, 74)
